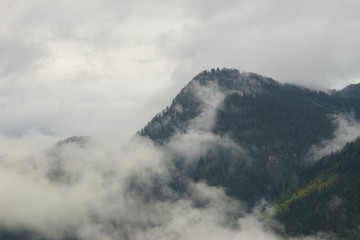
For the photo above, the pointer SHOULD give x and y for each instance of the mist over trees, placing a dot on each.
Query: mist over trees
(280, 129)
(236, 155)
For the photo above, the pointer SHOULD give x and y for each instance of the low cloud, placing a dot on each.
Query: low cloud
(274, 38)
(89, 68)
(78, 188)
(88, 193)
(198, 137)
(348, 129)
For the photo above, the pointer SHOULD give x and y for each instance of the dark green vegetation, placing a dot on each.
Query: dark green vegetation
(329, 196)
(259, 135)
(275, 125)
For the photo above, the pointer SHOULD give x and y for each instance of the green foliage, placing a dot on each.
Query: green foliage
(329, 200)
(318, 184)
(184, 107)
(277, 127)
(275, 124)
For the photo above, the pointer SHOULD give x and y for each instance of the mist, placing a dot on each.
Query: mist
(62, 62)
(347, 130)
(104, 68)
(91, 188)
(78, 188)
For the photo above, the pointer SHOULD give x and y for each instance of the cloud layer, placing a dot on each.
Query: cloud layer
(80, 189)
(347, 130)
(87, 67)
(89, 189)
(104, 68)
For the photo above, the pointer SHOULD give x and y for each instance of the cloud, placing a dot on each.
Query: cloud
(297, 42)
(348, 129)
(79, 188)
(196, 140)
(18, 55)
(104, 68)
(76, 59)
(89, 192)
(90, 188)
(94, 55)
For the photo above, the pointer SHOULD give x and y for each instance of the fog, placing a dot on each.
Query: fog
(347, 130)
(90, 188)
(103, 69)
(85, 190)
(89, 67)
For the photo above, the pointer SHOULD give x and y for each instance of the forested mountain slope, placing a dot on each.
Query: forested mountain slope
(248, 137)
(273, 129)
(328, 198)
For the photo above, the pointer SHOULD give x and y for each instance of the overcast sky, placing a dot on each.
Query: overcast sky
(104, 67)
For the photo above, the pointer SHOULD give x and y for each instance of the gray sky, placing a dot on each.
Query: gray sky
(104, 67)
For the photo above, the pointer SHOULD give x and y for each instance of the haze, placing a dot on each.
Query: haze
(104, 68)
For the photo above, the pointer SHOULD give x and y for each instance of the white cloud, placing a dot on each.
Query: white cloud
(299, 41)
(104, 68)
(93, 196)
(144, 53)
(347, 130)
(62, 57)
(197, 139)
(86, 190)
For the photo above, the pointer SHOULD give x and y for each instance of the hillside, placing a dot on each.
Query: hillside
(278, 132)
(229, 144)
(271, 126)
(328, 198)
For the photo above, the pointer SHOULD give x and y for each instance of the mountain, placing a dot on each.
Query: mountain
(328, 198)
(278, 134)
(352, 90)
(274, 124)
(258, 139)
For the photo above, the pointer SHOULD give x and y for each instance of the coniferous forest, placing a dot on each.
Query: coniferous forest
(257, 139)
(276, 125)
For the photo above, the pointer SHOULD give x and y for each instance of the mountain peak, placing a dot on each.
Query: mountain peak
(233, 79)
(207, 90)
(80, 141)
(352, 89)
